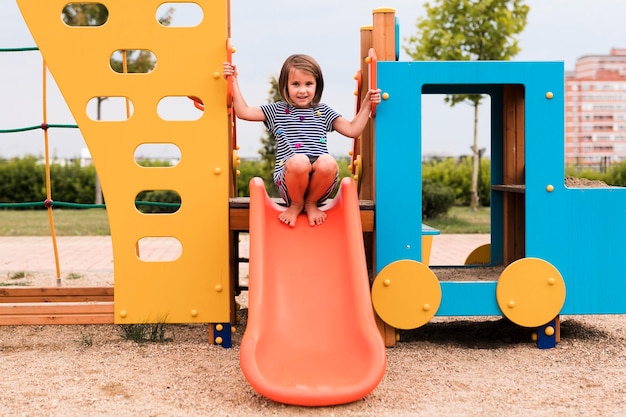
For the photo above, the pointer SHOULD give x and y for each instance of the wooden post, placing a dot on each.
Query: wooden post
(367, 137)
(513, 166)
(383, 40)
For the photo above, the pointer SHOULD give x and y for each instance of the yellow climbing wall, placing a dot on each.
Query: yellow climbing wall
(193, 287)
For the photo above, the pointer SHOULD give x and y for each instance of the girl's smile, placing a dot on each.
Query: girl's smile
(301, 87)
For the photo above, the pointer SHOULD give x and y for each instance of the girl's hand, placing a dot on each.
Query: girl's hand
(229, 69)
(374, 96)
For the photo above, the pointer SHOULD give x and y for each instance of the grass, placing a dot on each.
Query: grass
(94, 222)
(144, 332)
(462, 220)
(89, 222)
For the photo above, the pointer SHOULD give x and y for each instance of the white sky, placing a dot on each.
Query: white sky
(266, 32)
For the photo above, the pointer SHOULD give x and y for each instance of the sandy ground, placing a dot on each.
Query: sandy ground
(453, 367)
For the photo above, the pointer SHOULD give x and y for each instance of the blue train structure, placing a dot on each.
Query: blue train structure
(562, 248)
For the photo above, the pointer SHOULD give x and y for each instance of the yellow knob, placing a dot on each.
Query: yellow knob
(218, 340)
(217, 75)
(123, 313)
(218, 288)
(549, 331)
(551, 281)
(511, 304)
(550, 188)
(194, 313)
(549, 95)
(385, 96)
(426, 307)
(387, 282)
(219, 327)
(368, 59)
(217, 171)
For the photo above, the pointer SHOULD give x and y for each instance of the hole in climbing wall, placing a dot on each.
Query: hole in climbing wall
(158, 201)
(85, 14)
(159, 249)
(110, 109)
(157, 155)
(180, 108)
(185, 14)
(138, 61)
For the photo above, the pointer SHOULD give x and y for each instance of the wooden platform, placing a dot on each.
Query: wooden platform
(240, 213)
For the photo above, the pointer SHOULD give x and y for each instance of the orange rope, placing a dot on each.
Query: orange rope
(124, 71)
(48, 183)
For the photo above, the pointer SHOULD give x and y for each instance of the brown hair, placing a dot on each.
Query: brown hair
(303, 63)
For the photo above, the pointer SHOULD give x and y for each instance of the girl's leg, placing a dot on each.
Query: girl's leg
(323, 176)
(297, 174)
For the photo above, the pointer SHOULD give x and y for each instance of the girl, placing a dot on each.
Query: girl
(305, 173)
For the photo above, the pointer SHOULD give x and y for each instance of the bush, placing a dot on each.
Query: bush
(457, 174)
(437, 199)
(159, 201)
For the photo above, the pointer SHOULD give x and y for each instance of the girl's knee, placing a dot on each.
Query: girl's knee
(298, 163)
(327, 164)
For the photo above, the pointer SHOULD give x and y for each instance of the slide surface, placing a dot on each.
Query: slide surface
(311, 337)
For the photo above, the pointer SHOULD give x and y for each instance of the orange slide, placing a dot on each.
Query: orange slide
(311, 337)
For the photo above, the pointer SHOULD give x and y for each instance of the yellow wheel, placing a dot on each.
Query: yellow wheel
(406, 294)
(530, 292)
(479, 256)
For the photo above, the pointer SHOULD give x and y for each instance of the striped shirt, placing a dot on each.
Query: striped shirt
(298, 130)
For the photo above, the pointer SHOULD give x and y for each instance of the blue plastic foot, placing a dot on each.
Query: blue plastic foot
(222, 335)
(546, 335)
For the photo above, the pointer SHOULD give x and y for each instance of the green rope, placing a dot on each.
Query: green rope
(76, 205)
(80, 205)
(20, 205)
(24, 129)
(28, 48)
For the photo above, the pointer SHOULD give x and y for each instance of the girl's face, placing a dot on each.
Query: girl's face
(301, 87)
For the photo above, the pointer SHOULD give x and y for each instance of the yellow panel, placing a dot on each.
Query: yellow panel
(406, 294)
(195, 287)
(427, 244)
(530, 292)
(479, 256)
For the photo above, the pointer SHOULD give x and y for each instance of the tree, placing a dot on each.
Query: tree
(469, 30)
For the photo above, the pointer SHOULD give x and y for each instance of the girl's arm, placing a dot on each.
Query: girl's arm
(242, 110)
(354, 128)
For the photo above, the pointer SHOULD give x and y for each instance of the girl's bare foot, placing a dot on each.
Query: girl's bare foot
(290, 215)
(314, 214)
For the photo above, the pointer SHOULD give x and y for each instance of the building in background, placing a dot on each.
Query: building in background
(595, 111)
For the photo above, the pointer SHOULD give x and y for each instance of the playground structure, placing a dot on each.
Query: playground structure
(560, 256)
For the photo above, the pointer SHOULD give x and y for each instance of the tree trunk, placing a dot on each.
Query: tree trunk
(475, 163)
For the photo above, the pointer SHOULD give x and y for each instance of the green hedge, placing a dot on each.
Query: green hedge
(24, 180)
